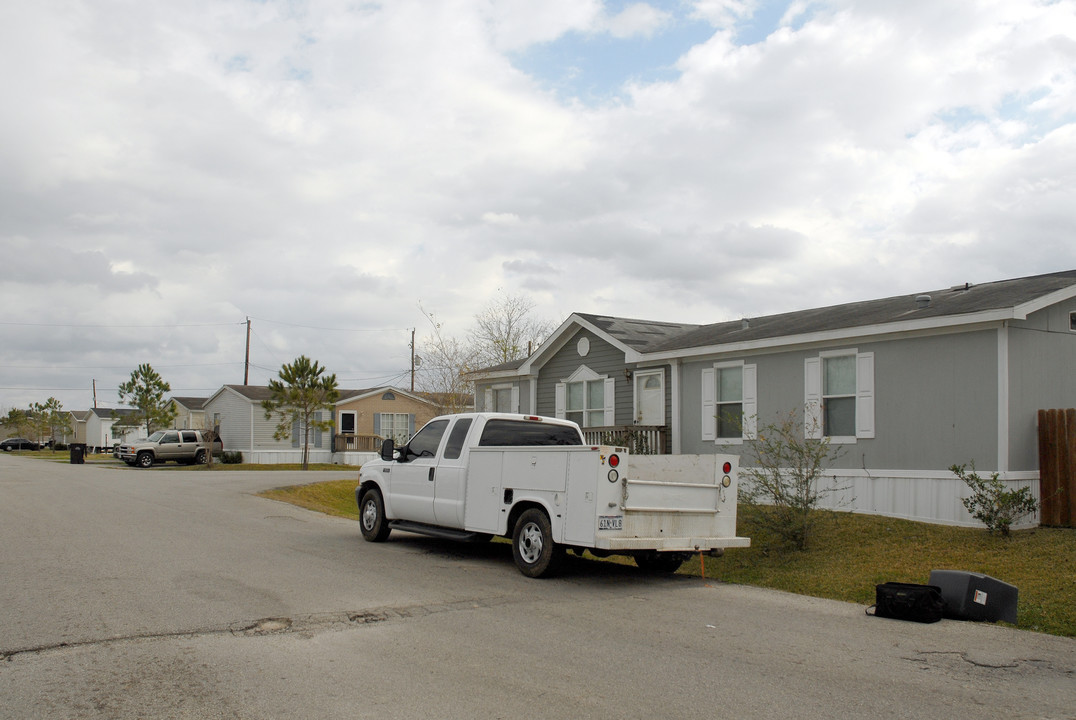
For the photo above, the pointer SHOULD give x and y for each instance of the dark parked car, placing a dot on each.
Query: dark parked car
(18, 444)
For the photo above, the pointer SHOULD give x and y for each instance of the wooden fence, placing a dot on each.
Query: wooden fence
(1057, 467)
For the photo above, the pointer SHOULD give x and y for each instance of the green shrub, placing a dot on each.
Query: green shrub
(231, 457)
(991, 503)
(783, 487)
(636, 442)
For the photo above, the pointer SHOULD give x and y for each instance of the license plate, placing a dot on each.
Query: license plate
(610, 522)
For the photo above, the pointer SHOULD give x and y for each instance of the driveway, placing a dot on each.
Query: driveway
(182, 594)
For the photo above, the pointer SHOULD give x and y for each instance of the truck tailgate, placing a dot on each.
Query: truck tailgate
(677, 502)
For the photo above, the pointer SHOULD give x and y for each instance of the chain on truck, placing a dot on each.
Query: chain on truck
(537, 482)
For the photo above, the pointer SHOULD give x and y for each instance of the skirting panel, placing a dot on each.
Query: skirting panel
(925, 497)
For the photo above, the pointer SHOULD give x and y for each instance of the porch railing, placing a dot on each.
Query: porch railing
(639, 439)
(349, 442)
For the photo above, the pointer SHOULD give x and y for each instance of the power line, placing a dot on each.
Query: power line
(90, 325)
(315, 327)
(108, 367)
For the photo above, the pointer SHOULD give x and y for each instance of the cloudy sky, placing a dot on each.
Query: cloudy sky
(168, 169)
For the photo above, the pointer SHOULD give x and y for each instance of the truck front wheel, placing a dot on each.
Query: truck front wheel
(374, 524)
(145, 460)
(535, 553)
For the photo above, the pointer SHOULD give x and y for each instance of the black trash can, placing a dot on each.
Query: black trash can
(78, 453)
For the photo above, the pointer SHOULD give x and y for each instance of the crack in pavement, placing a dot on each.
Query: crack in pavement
(281, 625)
(1018, 664)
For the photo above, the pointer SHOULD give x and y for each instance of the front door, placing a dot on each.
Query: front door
(650, 398)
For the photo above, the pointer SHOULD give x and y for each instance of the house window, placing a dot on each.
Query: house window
(586, 403)
(586, 398)
(1072, 321)
(729, 402)
(396, 426)
(729, 410)
(839, 396)
(299, 433)
(502, 400)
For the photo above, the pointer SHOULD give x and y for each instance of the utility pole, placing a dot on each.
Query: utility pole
(95, 393)
(412, 360)
(246, 364)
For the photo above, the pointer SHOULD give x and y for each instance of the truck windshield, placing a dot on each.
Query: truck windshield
(500, 433)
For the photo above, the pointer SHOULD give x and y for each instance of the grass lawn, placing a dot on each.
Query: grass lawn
(850, 554)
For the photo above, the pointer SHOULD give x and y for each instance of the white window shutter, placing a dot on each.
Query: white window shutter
(812, 400)
(750, 401)
(709, 404)
(865, 395)
(488, 402)
(610, 402)
(515, 398)
(560, 400)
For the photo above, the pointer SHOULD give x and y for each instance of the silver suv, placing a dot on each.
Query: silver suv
(184, 446)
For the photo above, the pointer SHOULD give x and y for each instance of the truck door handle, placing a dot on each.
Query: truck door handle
(431, 474)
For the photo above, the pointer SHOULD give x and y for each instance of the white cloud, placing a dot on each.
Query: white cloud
(638, 19)
(331, 165)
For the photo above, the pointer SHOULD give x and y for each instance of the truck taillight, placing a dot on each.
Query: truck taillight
(614, 460)
(727, 468)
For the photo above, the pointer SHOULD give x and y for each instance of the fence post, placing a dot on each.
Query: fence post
(1057, 466)
(1067, 476)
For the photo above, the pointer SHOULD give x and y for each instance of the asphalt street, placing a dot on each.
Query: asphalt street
(181, 594)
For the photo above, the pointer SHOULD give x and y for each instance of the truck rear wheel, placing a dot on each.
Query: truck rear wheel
(372, 520)
(199, 457)
(535, 553)
(659, 562)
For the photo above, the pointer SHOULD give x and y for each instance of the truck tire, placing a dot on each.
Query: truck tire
(659, 562)
(199, 457)
(145, 460)
(535, 553)
(372, 520)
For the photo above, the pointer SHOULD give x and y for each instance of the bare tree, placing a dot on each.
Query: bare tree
(441, 374)
(506, 330)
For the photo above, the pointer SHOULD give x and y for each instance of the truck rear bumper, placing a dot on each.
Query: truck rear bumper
(667, 544)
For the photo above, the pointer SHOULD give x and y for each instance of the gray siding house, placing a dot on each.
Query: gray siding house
(361, 418)
(237, 411)
(906, 386)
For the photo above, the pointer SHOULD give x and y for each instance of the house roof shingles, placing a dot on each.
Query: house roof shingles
(641, 335)
(192, 403)
(958, 300)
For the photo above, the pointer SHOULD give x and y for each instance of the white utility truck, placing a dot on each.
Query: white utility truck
(535, 480)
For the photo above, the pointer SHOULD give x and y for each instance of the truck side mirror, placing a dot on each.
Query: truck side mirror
(387, 448)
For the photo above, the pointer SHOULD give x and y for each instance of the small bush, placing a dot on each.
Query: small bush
(636, 442)
(991, 503)
(59, 447)
(783, 487)
(231, 457)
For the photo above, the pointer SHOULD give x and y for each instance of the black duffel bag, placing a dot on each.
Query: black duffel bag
(908, 601)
